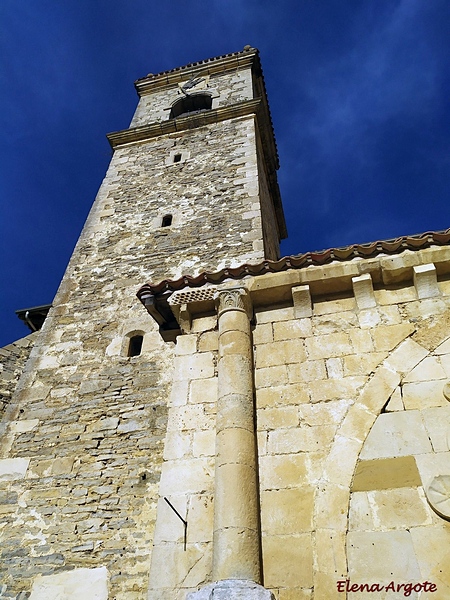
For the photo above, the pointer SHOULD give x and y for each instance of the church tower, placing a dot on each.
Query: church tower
(191, 187)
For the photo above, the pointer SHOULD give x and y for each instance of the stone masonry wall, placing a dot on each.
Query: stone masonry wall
(352, 400)
(12, 361)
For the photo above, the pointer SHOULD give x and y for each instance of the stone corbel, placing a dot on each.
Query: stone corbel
(301, 296)
(425, 281)
(363, 291)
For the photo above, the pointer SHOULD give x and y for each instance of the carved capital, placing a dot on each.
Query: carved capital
(234, 299)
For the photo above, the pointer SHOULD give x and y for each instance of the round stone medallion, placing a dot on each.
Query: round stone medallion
(438, 495)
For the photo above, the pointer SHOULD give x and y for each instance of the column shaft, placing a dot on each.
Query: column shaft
(236, 552)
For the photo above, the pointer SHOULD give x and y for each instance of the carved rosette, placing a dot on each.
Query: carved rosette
(438, 495)
(234, 299)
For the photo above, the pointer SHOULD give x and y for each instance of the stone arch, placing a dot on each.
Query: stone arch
(334, 488)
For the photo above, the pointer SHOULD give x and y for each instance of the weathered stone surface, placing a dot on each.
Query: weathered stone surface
(232, 589)
(78, 584)
(396, 434)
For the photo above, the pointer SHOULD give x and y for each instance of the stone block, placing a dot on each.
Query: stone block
(432, 465)
(429, 368)
(400, 508)
(271, 376)
(263, 334)
(280, 353)
(396, 434)
(378, 390)
(385, 474)
(381, 557)
(284, 471)
(203, 390)
(310, 370)
(357, 423)
(282, 395)
(360, 512)
(334, 368)
(330, 345)
(208, 341)
(336, 389)
(443, 348)
(437, 424)
(387, 337)
(200, 519)
(329, 413)
(12, 469)
(275, 315)
(424, 394)
(23, 426)
(172, 567)
(204, 443)
(287, 511)
(186, 344)
(191, 416)
(369, 318)
(179, 393)
(362, 364)
(334, 323)
(331, 509)
(431, 547)
(330, 552)
(287, 560)
(406, 356)
(194, 366)
(177, 444)
(395, 401)
(341, 461)
(302, 439)
(78, 584)
(288, 330)
(184, 476)
(273, 418)
(169, 527)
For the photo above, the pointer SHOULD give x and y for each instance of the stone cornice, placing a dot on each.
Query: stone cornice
(147, 132)
(222, 64)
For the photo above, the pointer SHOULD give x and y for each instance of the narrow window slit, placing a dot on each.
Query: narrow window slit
(177, 158)
(166, 221)
(135, 346)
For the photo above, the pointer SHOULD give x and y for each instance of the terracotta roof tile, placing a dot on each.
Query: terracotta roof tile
(300, 261)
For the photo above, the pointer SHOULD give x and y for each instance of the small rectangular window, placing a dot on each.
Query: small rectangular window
(177, 158)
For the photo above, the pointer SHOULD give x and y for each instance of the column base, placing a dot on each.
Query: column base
(232, 589)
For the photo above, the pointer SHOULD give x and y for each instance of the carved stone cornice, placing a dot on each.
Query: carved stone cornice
(147, 132)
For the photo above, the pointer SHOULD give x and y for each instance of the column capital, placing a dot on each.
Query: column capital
(234, 298)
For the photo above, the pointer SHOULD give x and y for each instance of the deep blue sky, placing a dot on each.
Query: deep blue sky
(358, 89)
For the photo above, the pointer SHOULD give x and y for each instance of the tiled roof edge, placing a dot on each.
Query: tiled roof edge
(198, 63)
(299, 261)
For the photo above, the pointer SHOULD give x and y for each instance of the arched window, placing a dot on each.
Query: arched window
(135, 345)
(194, 103)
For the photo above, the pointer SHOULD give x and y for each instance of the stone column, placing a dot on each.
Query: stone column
(236, 553)
(236, 570)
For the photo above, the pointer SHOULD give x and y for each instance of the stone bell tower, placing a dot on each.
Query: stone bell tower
(198, 165)
(191, 187)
